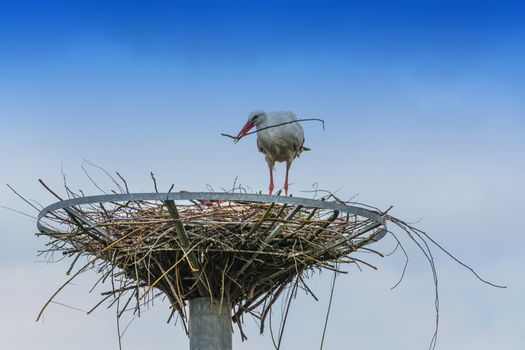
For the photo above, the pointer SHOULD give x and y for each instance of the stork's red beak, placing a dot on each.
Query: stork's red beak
(249, 124)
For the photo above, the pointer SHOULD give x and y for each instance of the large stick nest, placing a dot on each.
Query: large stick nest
(241, 254)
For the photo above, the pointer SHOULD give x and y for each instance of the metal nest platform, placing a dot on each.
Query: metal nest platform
(239, 250)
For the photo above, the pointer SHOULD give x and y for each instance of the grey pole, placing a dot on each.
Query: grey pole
(210, 325)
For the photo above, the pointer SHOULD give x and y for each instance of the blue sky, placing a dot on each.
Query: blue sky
(176, 56)
(424, 109)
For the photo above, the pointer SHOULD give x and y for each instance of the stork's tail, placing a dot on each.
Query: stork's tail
(301, 150)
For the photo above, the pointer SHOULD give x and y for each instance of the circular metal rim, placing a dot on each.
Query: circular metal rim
(247, 197)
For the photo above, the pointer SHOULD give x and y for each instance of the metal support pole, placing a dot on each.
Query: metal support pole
(210, 325)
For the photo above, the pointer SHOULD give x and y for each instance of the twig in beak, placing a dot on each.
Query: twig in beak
(237, 138)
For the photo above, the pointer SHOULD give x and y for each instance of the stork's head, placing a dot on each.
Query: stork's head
(255, 118)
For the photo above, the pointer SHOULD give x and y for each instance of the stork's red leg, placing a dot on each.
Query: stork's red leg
(271, 181)
(286, 179)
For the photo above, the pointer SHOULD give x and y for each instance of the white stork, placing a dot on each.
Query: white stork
(281, 143)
